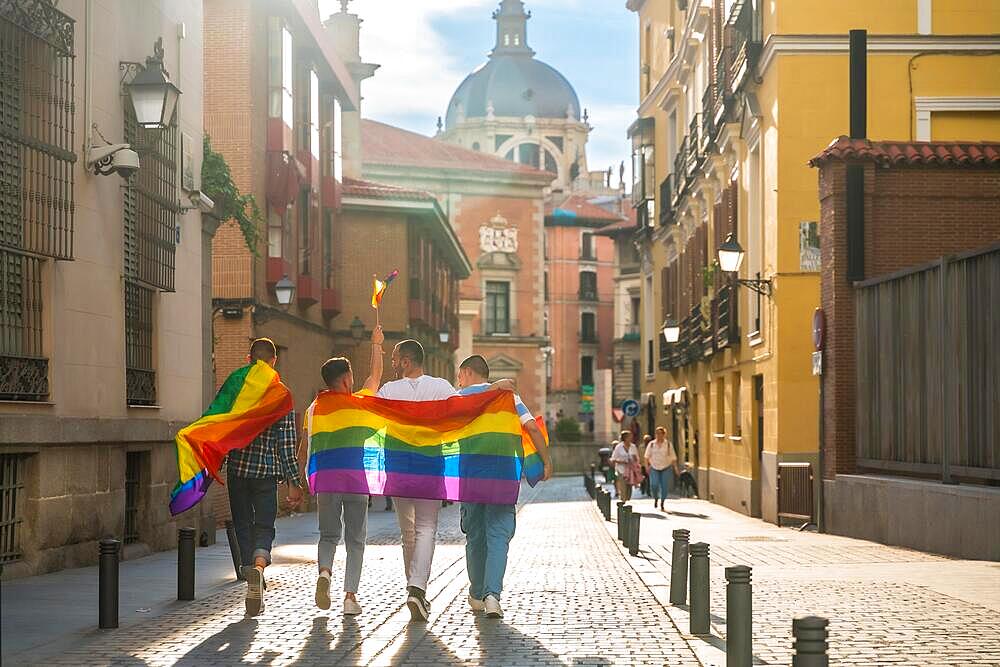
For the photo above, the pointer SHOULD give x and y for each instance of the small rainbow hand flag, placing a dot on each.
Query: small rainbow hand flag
(465, 448)
(379, 287)
(250, 400)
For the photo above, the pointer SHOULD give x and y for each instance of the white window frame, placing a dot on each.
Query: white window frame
(925, 106)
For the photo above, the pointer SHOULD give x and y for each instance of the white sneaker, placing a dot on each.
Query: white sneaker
(493, 608)
(323, 591)
(351, 607)
(476, 605)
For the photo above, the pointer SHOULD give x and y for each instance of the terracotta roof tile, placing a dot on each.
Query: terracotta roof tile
(579, 206)
(388, 145)
(899, 153)
(369, 190)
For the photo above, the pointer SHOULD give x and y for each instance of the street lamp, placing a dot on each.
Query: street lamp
(153, 94)
(284, 289)
(731, 257)
(357, 329)
(671, 330)
(443, 336)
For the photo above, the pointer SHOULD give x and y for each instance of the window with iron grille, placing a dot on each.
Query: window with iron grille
(140, 377)
(150, 205)
(135, 469)
(11, 505)
(36, 128)
(36, 180)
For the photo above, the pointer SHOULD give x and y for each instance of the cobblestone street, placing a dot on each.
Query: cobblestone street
(570, 599)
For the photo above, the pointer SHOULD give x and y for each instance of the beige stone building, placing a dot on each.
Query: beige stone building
(102, 278)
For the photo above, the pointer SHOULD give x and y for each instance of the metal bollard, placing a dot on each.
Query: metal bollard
(810, 634)
(621, 505)
(185, 563)
(607, 505)
(626, 528)
(699, 611)
(593, 472)
(739, 617)
(679, 567)
(107, 584)
(234, 549)
(633, 544)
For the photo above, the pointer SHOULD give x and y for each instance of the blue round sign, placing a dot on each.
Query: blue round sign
(630, 407)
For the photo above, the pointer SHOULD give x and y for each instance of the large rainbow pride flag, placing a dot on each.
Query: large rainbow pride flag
(250, 400)
(534, 469)
(465, 448)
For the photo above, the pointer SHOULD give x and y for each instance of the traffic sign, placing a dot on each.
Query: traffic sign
(630, 407)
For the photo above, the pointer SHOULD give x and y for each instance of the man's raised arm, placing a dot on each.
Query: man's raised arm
(375, 376)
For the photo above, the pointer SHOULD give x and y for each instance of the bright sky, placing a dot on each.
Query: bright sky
(426, 47)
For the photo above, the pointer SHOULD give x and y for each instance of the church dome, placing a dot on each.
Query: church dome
(513, 81)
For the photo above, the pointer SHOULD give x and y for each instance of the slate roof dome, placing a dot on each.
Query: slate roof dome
(513, 81)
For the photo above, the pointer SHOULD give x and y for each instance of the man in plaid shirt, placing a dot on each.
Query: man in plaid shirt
(253, 474)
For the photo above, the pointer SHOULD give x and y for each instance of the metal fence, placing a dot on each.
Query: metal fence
(11, 506)
(928, 375)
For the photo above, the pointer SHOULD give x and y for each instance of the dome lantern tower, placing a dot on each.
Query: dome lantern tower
(512, 29)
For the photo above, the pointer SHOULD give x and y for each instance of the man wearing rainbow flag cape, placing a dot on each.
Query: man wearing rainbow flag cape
(489, 528)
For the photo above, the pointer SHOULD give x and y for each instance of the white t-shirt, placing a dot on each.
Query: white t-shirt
(423, 388)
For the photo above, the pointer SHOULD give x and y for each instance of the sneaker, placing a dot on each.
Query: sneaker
(420, 608)
(351, 607)
(476, 605)
(323, 591)
(255, 590)
(493, 608)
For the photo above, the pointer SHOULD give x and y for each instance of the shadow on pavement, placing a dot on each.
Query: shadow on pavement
(228, 646)
(688, 515)
(318, 644)
(502, 644)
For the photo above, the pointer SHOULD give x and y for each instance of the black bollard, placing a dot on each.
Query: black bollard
(699, 611)
(607, 505)
(633, 543)
(626, 528)
(810, 634)
(185, 563)
(234, 549)
(107, 584)
(679, 567)
(621, 505)
(739, 617)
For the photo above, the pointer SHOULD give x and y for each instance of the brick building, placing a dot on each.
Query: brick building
(496, 209)
(101, 357)
(910, 444)
(291, 139)
(579, 306)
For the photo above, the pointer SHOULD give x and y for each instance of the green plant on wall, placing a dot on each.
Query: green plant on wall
(230, 204)
(708, 275)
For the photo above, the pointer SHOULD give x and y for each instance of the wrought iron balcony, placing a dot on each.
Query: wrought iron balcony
(707, 120)
(680, 170)
(726, 321)
(588, 295)
(693, 158)
(745, 46)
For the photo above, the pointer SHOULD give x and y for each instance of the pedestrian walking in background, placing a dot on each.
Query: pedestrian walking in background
(342, 514)
(252, 478)
(489, 528)
(661, 461)
(644, 487)
(628, 470)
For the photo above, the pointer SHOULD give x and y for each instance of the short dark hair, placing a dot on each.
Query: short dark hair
(334, 369)
(477, 364)
(412, 350)
(263, 349)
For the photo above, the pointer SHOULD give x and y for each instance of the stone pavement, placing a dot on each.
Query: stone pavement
(571, 599)
(886, 605)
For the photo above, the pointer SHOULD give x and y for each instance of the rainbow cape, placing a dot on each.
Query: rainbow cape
(465, 448)
(250, 400)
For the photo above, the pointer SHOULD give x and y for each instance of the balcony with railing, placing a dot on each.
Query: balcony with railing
(745, 45)
(708, 127)
(666, 200)
(726, 323)
(680, 170)
(587, 294)
(693, 158)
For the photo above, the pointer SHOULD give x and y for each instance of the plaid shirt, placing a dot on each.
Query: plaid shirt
(271, 454)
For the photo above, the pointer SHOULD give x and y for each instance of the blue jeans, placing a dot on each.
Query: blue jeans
(661, 481)
(488, 530)
(254, 506)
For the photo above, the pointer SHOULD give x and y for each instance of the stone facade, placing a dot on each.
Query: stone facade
(89, 462)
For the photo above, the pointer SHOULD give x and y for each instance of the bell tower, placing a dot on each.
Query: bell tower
(512, 29)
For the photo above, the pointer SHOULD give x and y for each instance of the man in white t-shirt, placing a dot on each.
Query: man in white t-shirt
(418, 517)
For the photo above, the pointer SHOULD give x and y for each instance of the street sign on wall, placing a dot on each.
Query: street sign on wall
(587, 398)
(630, 407)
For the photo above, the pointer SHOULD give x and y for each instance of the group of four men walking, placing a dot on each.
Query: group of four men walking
(254, 473)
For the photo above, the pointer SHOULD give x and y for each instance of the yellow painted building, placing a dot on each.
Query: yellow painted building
(736, 96)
